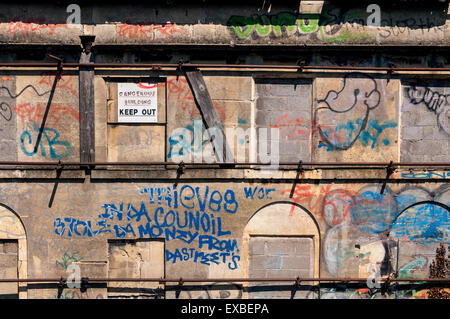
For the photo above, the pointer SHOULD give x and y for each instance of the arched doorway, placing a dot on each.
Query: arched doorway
(418, 230)
(13, 253)
(281, 240)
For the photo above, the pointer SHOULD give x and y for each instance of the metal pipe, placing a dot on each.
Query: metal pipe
(220, 65)
(196, 280)
(227, 165)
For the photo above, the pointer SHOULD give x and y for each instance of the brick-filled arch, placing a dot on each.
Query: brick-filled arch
(13, 231)
(281, 240)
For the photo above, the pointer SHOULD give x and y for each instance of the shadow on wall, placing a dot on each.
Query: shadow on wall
(281, 18)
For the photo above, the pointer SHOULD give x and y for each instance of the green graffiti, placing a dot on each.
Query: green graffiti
(64, 263)
(324, 21)
(284, 19)
(263, 26)
(348, 36)
(407, 271)
(238, 22)
(313, 22)
(291, 23)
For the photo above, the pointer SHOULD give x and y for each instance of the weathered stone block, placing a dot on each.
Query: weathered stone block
(229, 87)
(136, 143)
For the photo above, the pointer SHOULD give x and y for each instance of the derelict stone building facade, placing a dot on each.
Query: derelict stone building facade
(109, 159)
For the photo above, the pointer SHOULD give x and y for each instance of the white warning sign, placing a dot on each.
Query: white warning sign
(137, 102)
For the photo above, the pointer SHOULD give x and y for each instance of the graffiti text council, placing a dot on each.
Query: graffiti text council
(187, 214)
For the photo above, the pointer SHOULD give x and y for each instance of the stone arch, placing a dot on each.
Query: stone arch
(11, 227)
(399, 229)
(281, 219)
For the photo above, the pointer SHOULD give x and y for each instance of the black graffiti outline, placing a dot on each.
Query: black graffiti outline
(433, 100)
(224, 290)
(5, 107)
(432, 104)
(365, 120)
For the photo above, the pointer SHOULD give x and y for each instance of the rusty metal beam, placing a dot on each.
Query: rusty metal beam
(337, 165)
(157, 66)
(197, 280)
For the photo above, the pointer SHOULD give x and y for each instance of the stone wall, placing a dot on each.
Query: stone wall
(254, 24)
(149, 222)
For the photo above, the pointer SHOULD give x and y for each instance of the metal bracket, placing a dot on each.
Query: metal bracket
(301, 64)
(299, 171)
(61, 285)
(179, 67)
(295, 287)
(180, 64)
(390, 169)
(390, 71)
(385, 285)
(298, 282)
(87, 42)
(59, 67)
(84, 283)
(180, 169)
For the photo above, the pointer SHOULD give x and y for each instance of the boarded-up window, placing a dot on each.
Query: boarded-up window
(280, 257)
(285, 104)
(8, 268)
(135, 259)
(425, 124)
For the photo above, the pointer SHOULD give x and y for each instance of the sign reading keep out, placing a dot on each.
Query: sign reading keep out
(137, 102)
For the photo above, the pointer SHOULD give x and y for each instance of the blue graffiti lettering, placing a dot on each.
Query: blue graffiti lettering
(258, 192)
(190, 197)
(196, 223)
(52, 142)
(205, 258)
(420, 175)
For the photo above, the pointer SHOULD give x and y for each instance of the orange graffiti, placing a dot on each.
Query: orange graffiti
(145, 31)
(300, 129)
(34, 26)
(316, 202)
(135, 31)
(291, 129)
(179, 90)
(65, 82)
(27, 112)
(143, 86)
(305, 197)
(168, 29)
